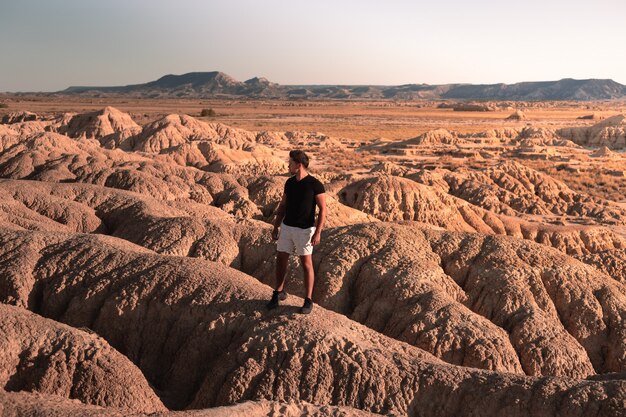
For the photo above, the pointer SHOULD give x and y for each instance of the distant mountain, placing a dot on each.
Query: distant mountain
(219, 85)
(566, 89)
(193, 84)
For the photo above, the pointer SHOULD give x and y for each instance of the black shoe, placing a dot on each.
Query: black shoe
(307, 307)
(276, 296)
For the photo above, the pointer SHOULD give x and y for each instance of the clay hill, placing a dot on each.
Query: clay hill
(136, 261)
(217, 84)
(610, 133)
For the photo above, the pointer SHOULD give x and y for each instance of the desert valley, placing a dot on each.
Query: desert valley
(473, 261)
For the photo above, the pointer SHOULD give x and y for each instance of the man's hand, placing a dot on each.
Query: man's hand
(275, 233)
(315, 240)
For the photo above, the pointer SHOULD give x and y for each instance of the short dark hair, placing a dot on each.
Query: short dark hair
(299, 157)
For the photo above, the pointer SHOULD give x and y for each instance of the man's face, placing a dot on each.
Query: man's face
(293, 166)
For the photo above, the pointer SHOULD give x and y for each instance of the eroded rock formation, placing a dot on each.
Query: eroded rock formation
(201, 335)
(431, 276)
(44, 356)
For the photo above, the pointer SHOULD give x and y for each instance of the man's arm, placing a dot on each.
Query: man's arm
(320, 200)
(280, 215)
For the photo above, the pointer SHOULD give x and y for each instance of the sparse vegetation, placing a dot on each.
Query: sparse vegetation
(3, 105)
(593, 180)
(208, 113)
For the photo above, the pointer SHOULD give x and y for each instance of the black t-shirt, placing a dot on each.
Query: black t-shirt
(300, 210)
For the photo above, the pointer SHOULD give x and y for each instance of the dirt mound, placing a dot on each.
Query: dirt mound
(618, 121)
(8, 137)
(532, 136)
(275, 140)
(611, 262)
(390, 168)
(170, 131)
(518, 115)
(7, 131)
(432, 178)
(18, 117)
(16, 214)
(210, 156)
(105, 239)
(339, 214)
(604, 152)
(172, 229)
(30, 128)
(610, 132)
(435, 137)
(391, 198)
(232, 137)
(504, 134)
(103, 125)
(186, 141)
(200, 333)
(511, 188)
(38, 354)
(52, 157)
(167, 230)
(178, 129)
(473, 300)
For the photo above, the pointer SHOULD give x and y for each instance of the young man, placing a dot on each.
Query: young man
(295, 227)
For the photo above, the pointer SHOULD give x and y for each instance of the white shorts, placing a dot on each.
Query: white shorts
(294, 240)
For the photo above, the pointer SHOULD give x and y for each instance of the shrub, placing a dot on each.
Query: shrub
(3, 105)
(208, 113)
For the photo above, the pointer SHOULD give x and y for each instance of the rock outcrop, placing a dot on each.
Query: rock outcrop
(18, 117)
(605, 153)
(532, 136)
(395, 199)
(475, 287)
(199, 332)
(104, 125)
(169, 230)
(453, 294)
(40, 355)
(518, 115)
(511, 188)
(213, 157)
(610, 132)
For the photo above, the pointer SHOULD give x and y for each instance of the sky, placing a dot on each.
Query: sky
(50, 45)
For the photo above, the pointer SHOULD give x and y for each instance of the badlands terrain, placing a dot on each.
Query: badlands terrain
(473, 262)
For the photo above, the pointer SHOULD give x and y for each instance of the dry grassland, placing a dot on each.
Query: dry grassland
(363, 121)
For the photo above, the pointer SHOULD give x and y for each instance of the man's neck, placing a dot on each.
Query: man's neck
(301, 174)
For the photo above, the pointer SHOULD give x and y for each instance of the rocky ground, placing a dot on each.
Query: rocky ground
(460, 273)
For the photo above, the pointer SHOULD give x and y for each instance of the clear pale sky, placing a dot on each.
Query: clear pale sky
(48, 45)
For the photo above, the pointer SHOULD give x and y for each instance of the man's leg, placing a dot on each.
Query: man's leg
(282, 261)
(309, 275)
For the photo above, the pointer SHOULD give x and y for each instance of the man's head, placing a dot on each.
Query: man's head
(297, 160)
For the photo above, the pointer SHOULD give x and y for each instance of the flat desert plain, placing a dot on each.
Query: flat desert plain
(473, 261)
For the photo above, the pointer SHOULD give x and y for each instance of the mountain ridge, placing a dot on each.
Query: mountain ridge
(221, 85)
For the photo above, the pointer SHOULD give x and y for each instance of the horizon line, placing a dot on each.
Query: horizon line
(313, 84)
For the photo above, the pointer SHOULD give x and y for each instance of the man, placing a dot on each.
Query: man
(295, 228)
